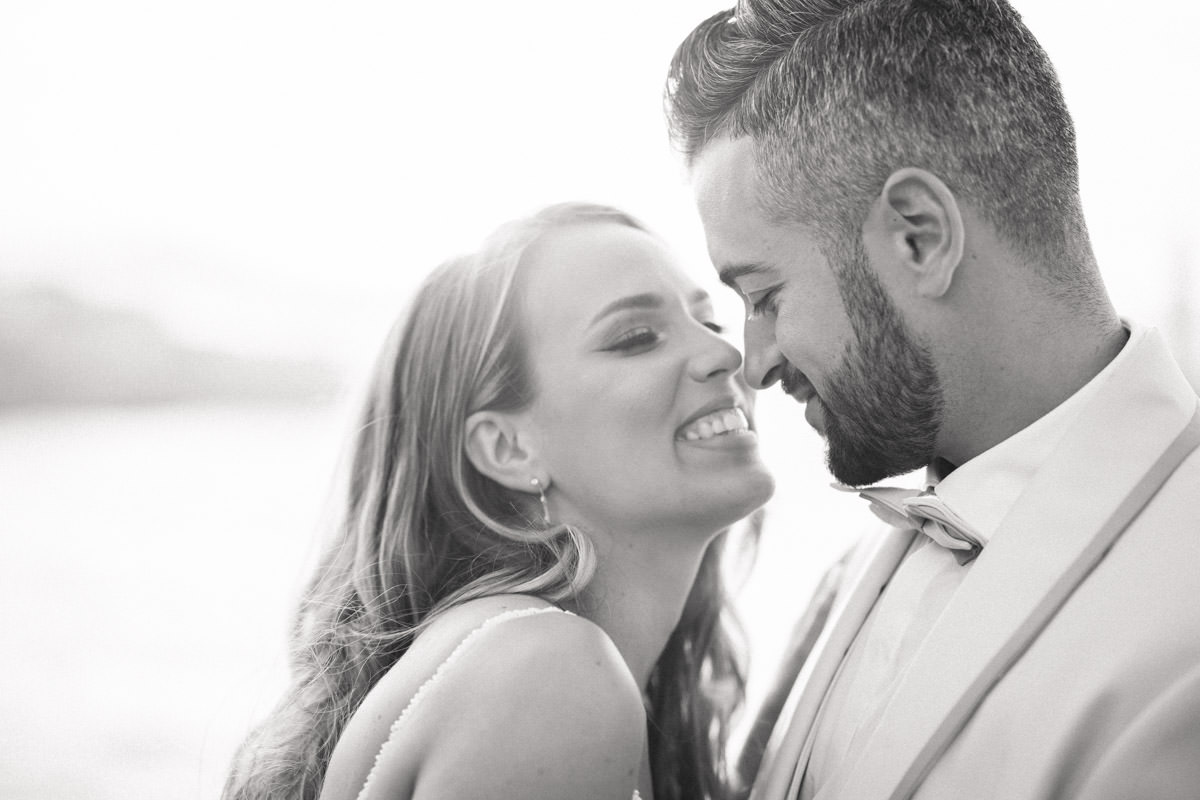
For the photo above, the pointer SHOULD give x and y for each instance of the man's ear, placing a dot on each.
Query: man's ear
(496, 448)
(923, 226)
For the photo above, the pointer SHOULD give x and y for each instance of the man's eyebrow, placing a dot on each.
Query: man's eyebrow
(632, 301)
(730, 273)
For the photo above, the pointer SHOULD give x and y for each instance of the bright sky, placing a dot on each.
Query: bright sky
(274, 176)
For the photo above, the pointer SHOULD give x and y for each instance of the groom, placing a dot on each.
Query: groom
(892, 188)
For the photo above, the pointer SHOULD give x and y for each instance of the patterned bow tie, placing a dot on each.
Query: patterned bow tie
(927, 513)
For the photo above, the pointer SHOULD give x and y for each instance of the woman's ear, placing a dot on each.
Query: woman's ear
(924, 228)
(497, 449)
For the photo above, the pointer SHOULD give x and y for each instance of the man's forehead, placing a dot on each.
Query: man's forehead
(724, 179)
(723, 175)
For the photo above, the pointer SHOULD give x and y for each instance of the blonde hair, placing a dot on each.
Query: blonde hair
(421, 530)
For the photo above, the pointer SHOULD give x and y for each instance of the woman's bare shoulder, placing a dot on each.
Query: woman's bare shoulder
(371, 724)
(519, 685)
(543, 706)
(511, 650)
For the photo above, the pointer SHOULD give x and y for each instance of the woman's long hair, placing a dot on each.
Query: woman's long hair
(421, 531)
(698, 683)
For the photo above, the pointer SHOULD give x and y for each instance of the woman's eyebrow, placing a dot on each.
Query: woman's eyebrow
(632, 301)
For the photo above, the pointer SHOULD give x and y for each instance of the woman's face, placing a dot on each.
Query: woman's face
(639, 416)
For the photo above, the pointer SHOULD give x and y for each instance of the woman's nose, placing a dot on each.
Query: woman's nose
(715, 357)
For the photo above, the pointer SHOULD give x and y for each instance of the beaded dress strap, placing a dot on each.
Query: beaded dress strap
(516, 613)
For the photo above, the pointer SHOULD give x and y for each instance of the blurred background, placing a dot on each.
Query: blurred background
(211, 212)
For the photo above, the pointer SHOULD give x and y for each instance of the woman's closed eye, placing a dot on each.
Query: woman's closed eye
(635, 340)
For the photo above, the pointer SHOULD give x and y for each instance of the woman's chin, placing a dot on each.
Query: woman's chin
(761, 490)
(738, 498)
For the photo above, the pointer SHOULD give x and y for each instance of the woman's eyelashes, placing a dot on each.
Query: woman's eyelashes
(645, 337)
(640, 338)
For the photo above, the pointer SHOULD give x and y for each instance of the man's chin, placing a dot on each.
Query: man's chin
(855, 465)
(863, 450)
(851, 474)
(861, 468)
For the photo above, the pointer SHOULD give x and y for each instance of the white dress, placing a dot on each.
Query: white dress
(365, 792)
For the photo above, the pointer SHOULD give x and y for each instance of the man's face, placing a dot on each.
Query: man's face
(828, 332)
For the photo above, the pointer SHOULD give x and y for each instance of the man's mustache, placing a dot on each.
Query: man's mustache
(793, 381)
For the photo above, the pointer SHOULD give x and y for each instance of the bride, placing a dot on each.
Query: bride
(523, 598)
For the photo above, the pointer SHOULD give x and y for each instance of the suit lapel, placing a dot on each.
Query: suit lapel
(1100, 475)
(867, 572)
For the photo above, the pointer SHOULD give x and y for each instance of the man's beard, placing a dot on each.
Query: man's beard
(883, 403)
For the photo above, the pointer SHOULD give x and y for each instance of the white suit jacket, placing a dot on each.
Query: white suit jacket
(1067, 665)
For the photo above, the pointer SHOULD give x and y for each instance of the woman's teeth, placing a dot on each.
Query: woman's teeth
(727, 420)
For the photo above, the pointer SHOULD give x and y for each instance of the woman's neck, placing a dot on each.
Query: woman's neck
(638, 593)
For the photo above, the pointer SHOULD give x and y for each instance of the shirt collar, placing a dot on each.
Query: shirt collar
(984, 489)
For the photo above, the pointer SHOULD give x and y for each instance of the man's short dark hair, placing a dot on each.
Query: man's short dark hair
(838, 94)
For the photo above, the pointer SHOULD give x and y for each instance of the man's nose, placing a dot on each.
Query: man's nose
(764, 362)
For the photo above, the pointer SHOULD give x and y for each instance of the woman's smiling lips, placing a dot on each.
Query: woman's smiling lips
(718, 424)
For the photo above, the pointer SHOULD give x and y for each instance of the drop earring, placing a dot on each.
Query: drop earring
(537, 484)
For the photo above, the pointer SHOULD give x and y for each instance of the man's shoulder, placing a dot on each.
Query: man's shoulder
(1170, 522)
(1137, 609)
(1183, 485)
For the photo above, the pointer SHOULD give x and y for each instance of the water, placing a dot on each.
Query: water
(149, 560)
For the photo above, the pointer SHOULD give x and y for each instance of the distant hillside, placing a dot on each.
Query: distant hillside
(58, 349)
